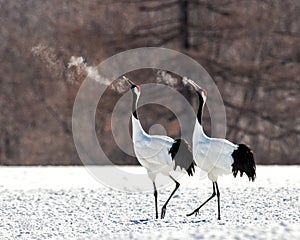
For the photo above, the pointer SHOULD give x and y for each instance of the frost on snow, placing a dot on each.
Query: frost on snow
(68, 203)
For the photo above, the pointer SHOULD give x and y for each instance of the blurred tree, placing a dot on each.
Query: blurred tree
(250, 48)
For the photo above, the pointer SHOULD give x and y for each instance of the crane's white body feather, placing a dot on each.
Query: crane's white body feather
(152, 151)
(212, 155)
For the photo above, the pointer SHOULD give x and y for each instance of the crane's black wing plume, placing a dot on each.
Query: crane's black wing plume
(181, 153)
(243, 161)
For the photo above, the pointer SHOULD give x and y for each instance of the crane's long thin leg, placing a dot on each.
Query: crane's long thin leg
(163, 210)
(155, 197)
(218, 195)
(196, 211)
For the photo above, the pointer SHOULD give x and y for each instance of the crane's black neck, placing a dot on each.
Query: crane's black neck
(134, 104)
(200, 108)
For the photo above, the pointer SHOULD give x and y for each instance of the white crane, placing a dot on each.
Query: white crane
(218, 156)
(158, 154)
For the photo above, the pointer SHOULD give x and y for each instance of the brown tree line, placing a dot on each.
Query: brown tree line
(250, 48)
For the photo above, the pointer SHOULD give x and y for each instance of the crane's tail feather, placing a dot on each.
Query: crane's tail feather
(181, 153)
(243, 161)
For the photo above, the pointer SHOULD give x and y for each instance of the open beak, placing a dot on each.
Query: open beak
(129, 81)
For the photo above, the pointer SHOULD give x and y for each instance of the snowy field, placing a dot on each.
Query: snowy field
(67, 203)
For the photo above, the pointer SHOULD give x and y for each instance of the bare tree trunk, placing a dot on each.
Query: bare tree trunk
(184, 33)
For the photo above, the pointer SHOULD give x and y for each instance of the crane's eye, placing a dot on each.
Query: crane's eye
(138, 88)
(204, 93)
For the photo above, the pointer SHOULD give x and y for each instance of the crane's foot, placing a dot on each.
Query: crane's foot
(196, 212)
(163, 212)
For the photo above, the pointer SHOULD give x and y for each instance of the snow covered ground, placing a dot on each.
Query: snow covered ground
(67, 203)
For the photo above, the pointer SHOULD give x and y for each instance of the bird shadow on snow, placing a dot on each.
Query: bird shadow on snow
(147, 220)
(139, 221)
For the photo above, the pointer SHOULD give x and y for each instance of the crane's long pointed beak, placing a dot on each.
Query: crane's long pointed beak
(194, 85)
(129, 81)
